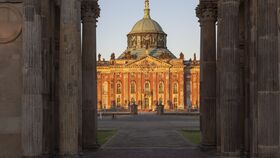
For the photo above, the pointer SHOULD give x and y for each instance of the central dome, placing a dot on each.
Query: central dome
(146, 25)
(146, 38)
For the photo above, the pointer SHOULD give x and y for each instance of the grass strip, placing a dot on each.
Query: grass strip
(192, 135)
(104, 135)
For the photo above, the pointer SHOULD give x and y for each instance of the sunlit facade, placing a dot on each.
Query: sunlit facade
(147, 73)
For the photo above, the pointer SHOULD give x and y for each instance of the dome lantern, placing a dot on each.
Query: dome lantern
(147, 9)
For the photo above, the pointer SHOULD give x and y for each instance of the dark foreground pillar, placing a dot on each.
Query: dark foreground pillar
(230, 100)
(69, 78)
(268, 71)
(32, 99)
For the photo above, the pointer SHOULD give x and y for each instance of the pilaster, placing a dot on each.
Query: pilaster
(32, 98)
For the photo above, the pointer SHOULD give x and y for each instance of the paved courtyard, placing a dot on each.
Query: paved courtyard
(148, 136)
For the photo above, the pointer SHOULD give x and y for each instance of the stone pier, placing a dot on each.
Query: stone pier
(229, 66)
(70, 78)
(268, 78)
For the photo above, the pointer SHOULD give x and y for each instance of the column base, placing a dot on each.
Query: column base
(218, 149)
(70, 156)
(91, 147)
(48, 155)
(230, 155)
(204, 147)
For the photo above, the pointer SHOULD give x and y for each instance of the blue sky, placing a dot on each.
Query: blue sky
(177, 18)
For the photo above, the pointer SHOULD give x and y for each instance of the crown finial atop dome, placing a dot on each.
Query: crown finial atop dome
(147, 9)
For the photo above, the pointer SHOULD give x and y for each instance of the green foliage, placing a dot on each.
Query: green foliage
(192, 136)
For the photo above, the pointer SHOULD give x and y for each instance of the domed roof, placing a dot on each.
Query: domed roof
(146, 25)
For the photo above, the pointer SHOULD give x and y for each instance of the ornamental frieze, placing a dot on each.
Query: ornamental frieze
(146, 65)
(147, 40)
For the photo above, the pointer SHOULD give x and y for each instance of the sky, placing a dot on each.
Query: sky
(176, 17)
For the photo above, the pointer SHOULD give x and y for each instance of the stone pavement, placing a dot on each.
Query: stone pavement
(148, 136)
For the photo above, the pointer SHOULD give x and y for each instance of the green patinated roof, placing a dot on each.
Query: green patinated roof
(146, 25)
(154, 52)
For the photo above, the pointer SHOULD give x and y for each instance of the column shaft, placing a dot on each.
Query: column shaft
(90, 11)
(208, 15)
(230, 106)
(268, 78)
(69, 78)
(32, 100)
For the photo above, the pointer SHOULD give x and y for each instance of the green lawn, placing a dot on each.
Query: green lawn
(192, 136)
(104, 135)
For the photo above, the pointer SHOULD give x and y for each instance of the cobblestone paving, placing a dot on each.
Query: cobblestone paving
(148, 136)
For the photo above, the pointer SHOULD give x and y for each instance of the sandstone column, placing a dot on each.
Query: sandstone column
(32, 99)
(207, 14)
(69, 78)
(90, 13)
(268, 77)
(230, 106)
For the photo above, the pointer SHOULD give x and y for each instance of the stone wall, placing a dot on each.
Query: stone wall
(10, 78)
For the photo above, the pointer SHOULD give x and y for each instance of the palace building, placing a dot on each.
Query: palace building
(147, 73)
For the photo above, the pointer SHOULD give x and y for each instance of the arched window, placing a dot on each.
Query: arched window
(118, 101)
(133, 87)
(119, 88)
(105, 88)
(132, 100)
(160, 101)
(147, 86)
(175, 102)
(175, 88)
(161, 87)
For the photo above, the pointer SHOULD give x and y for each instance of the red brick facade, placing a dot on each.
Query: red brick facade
(146, 82)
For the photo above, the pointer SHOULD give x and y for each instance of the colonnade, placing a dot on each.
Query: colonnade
(76, 131)
(240, 80)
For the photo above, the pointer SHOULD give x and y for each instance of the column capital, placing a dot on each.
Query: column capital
(229, 1)
(90, 11)
(207, 12)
